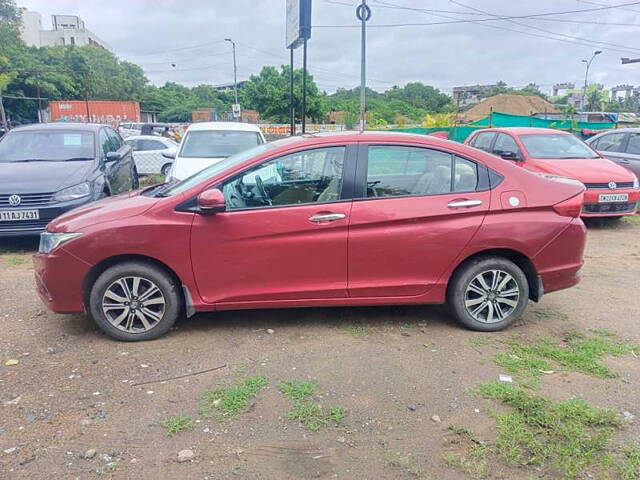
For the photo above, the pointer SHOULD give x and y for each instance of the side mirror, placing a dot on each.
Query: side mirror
(169, 154)
(510, 156)
(211, 201)
(113, 156)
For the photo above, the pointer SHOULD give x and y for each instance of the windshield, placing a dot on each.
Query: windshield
(43, 146)
(556, 146)
(217, 143)
(213, 170)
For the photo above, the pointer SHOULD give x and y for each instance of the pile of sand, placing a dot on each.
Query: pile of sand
(507, 103)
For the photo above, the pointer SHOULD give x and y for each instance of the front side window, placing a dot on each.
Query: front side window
(53, 145)
(633, 147)
(310, 176)
(394, 171)
(217, 143)
(610, 143)
(555, 146)
(483, 141)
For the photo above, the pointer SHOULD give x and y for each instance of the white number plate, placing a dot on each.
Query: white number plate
(613, 197)
(17, 215)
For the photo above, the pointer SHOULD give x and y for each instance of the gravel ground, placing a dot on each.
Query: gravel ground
(74, 393)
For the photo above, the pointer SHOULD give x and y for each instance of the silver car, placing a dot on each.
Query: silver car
(621, 146)
(147, 153)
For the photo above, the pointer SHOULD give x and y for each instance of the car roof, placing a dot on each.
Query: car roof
(236, 126)
(149, 137)
(88, 127)
(525, 130)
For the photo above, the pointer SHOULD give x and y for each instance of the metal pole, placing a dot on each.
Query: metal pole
(584, 89)
(39, 100)
(363, 63)
(3, 115)
(235, 72)
(304, 86)
(292, 110)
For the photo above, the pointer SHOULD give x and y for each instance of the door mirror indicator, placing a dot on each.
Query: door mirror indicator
(211, 201)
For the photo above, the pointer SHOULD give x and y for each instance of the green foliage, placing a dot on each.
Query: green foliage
(231, 399)
(298, 389)
(501, 87)
(355, 330)
(173, 425)
(306, 411)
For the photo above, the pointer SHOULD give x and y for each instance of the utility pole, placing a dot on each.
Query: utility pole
(363, 13)
(3, 115)
(586, 75)
(235, 77)
(304, 86)
(292, 109)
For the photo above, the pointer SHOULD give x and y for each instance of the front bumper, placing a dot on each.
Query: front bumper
(59, 279)
(592, 207)
(46, 213)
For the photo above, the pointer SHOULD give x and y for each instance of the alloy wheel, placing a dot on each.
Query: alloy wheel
(491, 296)
(133, 304)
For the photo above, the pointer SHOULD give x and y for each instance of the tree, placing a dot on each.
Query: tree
(268, 93)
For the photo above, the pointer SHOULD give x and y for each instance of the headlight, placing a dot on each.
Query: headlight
(635, 183)
(51, 241)
(73, 193)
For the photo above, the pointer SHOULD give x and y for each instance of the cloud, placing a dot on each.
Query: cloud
(156, 34)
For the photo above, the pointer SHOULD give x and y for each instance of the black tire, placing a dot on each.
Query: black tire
(460, 292)
(168, 312)
(164, 171)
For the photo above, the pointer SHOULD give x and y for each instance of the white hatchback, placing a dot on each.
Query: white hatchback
(147, 153)
(209, 142)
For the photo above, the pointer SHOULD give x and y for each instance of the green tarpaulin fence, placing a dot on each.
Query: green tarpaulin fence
(497, 119)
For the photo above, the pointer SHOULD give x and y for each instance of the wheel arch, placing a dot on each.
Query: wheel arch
(106, 263)
(520, 259)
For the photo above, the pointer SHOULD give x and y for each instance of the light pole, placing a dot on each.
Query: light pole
(235, 70)
(586, 75)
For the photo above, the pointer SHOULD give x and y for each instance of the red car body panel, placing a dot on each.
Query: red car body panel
(393, 250)
(587, 170)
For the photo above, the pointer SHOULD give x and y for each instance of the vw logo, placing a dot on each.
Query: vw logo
(612, 185)
(14, 200)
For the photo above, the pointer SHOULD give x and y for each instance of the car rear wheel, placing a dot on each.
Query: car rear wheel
(488, 294)
(165, 169)
(135, 301)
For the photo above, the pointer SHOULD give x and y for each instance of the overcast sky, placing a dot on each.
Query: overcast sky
(190, 34)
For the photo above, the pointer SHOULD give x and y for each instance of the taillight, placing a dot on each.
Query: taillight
(571, 207)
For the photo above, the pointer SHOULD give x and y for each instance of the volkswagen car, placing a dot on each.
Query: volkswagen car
(49, 169)
(320, 220)
(612, 190)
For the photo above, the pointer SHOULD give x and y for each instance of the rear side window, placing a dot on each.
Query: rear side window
(505, 144)
(394, 171)
(150, 145)
(610, 143)
(483, 141)
(634, 144)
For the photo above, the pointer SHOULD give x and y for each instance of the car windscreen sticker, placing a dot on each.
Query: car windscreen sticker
(72, 140)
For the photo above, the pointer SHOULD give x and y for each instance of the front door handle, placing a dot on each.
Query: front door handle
(327, 217)
(464, 203)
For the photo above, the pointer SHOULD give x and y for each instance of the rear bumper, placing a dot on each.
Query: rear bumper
(592, 207)
(34, 227)
(59, 280)
(559, 262)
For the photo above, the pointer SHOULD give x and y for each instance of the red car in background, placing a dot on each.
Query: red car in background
(612, 190)
(327, 220)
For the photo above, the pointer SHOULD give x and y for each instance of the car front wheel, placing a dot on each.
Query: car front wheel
(135, 301)
(488, 294)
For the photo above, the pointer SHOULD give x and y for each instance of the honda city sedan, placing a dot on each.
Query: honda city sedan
(321, 220)
(612, 190)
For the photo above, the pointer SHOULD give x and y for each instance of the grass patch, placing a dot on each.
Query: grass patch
(16, 260)
(109, 468)
(629, 468)
(395, 460)
(298, 389)
(632, 219)
(305, 410)
(173, 425)
(355, 330)
(576, 352)
(230, 400)
(474, 457)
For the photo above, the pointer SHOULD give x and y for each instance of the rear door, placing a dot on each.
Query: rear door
(631, 158)
(419, 208)
(284, 234)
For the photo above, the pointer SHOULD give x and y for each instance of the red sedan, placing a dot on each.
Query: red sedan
(348, 219)
(612, 190)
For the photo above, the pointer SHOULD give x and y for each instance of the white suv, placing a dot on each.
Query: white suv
(209, 142)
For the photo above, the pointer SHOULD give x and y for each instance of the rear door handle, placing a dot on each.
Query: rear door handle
(464, 203)
(327, 217)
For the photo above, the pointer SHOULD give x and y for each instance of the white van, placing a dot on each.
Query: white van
(209, 142)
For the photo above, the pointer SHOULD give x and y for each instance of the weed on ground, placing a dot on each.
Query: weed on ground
(305, 410)
(230, 400)
(396, 460)
(16, 261)
(177, 424)
(355, 330)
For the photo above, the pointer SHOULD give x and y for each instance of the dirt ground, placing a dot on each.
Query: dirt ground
(391, 368)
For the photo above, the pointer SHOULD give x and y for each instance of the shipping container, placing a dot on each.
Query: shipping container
(98, 111)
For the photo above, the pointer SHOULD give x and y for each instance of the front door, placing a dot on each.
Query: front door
(283, 236)
(421, 208)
